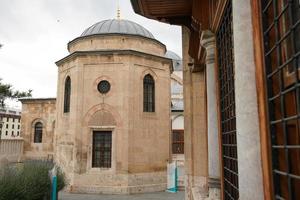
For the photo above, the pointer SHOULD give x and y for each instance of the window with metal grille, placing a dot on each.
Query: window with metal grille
(67, 96)
(38, 132)
(149, 94)
(281, 36)
(227, 105)
(178, 142)
(102, 145)
(103, 86)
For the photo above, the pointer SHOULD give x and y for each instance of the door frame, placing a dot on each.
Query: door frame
(112, 169)
(262, 99)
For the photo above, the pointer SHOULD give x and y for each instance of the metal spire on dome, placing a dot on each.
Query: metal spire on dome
(118, 11)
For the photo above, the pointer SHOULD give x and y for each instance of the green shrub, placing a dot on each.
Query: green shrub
(28, 181)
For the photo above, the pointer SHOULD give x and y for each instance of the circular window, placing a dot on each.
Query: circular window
(104, 87)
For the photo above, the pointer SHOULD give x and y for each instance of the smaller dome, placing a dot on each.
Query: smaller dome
(172, 55)
(177, 61)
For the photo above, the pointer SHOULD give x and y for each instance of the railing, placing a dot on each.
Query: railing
(11, 149)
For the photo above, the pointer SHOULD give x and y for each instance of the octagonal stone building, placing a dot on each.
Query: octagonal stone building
(113, 110)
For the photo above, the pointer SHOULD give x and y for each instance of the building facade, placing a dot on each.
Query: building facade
(11, 123)
(241, 92)
(37, 127)
(177, 117)
(109, 116)
(108, 128)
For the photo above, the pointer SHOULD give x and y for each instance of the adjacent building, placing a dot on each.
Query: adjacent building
(11, 123)
(177, 116)
(38, 126)
(241, 84)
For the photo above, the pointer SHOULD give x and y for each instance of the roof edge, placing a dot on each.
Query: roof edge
(37, 99)
(114, 34)
(120, 52)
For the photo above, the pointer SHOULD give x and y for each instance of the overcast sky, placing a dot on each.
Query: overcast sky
(35, 33)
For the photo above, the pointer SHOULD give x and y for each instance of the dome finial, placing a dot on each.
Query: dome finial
(118, 11)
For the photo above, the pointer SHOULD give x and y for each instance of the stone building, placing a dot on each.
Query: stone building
(177, 117)
(110, 123)
(241, 84)
(37, 127)
(10, 120)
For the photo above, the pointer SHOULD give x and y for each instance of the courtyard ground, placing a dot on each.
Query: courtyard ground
(147, 196)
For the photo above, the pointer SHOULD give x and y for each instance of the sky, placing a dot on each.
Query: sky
(35, 33)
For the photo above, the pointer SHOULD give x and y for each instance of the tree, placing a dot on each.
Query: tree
(7, 92)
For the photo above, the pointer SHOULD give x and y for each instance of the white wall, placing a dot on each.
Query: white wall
(177, 122)
(11, 128)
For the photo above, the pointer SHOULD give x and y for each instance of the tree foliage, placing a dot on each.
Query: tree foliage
(7, 92)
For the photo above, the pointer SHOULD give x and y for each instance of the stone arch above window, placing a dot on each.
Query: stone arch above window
(67, 95)
(102, 107)
(149, 93)
(102, 118)
(38, 132)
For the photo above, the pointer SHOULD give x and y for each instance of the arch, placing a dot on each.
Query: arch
(101, 111)
(180, 115)
(176, 78)
(37, 120)
(67, 94)
(38, 132)
(149, 93)
(149, 71)
(102, 118)
(178, 122)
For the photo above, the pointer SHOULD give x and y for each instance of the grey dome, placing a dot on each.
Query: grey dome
(119, 26)
(177, 61)
(172, 55)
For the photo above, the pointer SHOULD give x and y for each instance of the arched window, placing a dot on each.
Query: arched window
(149, 94)
(38, 132)
(67, 96)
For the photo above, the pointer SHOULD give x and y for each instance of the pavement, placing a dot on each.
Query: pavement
(146, 196)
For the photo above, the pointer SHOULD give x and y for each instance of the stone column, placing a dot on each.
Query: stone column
(208, 42)
(195, 134)
(247, 119)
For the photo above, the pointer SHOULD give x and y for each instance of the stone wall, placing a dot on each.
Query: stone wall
(104, 43)
(33, 111)
(140, 141)
(11, 150)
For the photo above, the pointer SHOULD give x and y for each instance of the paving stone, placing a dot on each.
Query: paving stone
(146, 196)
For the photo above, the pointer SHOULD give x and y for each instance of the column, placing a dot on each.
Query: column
(208, 42)
(247, 119)
(195, 134)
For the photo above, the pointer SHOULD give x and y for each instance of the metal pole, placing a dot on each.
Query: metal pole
(54, 186)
